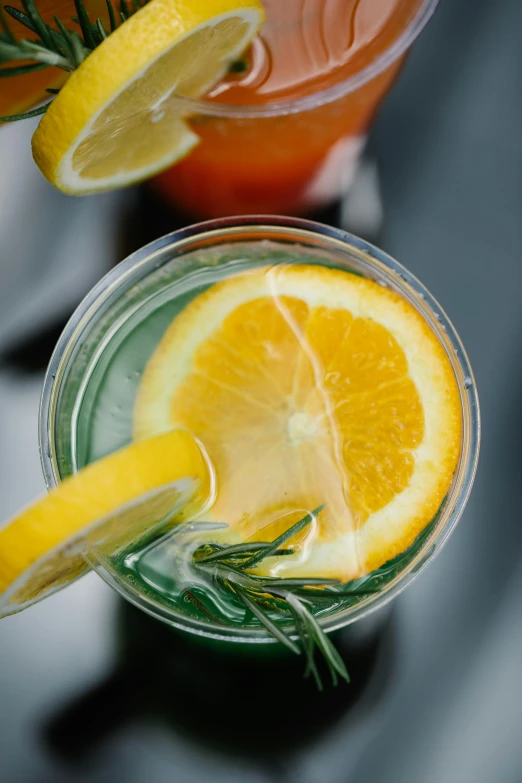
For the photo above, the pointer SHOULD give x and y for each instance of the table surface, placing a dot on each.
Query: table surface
(448, 145)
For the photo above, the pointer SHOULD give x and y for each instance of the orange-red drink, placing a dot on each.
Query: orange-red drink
(284, 135)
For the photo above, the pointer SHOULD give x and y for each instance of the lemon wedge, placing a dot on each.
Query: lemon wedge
(310, 385)
(118, 119)
(105, 506)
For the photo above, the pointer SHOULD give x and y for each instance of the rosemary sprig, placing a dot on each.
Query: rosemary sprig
(60, 47)
(26, 115)
(200, 606)
(238, 66)
(284, 537)
(275, 602)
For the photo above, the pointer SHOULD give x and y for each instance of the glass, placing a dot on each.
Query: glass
(294, 156)
(144, 281)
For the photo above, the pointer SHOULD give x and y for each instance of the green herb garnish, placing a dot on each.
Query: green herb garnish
(61, 47)
(276, 602)
(239, 66)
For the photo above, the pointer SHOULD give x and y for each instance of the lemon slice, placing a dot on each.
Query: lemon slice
(310, 385)
(105, 506)
(117, 120)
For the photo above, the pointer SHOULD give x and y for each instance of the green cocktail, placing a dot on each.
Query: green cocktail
(104, 362)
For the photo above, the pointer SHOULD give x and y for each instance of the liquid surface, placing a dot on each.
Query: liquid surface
(308, 45)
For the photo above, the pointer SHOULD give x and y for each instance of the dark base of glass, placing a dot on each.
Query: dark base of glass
(150, 216)
(245, 700)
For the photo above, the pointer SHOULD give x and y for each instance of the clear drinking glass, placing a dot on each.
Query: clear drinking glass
(154, 278)
(294, 157)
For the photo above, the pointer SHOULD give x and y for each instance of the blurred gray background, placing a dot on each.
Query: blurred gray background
(449, 151)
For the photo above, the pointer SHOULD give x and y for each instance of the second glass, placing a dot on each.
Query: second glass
(295, 150)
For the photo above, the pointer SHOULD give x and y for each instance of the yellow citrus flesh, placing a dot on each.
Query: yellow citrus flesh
(116, 120)
(104, 507)
(309, 385)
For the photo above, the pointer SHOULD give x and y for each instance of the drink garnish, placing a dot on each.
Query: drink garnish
(275, 602)
(103, 507)
(310, 384)
(118, 119)
(61, 47)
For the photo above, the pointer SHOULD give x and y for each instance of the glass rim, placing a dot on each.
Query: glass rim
(327, 95)
(144, 261)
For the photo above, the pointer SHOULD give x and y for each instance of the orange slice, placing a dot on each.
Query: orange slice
(309, 385)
